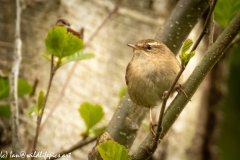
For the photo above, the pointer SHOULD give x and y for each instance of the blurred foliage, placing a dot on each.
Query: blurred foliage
(92, 115)
(121, 93)
(225, 11)
(5, 111)
(110, 150)
(38, 106)
(23, 88)
(229, 142)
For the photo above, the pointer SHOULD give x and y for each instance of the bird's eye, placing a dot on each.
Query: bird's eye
(149, 47)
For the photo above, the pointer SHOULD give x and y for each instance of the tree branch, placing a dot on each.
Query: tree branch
(210, 58)
(116, 125)
(208, 19)
(165, 97)
(74, 147)
(39, 118)
(181, 21)
(13, 78)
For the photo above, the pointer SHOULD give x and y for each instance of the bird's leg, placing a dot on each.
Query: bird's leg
(179, 89)
(152, 125)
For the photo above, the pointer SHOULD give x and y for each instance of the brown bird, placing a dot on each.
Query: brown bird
(64, 23)
(150, 73)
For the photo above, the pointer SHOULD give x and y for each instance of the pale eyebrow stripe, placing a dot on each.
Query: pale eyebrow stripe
(153, 43)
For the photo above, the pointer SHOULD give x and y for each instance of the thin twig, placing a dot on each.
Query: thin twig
(39, 119)
(115, 9)
(211, 26)
(164, 102)
(74, 147)
(70, 73)
(13, 78)
(165, 97)
(204, 26)
(235, 41)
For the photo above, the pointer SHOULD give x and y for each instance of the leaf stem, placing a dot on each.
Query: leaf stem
(39, 118)
(70, 73)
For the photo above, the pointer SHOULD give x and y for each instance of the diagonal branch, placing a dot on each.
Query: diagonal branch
(39, 118)
(211, 57)
(78, 145)
(181, 21)
(159, 128)
(127, 118)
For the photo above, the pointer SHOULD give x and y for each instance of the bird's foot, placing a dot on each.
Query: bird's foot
(152, 125)
(180, 89)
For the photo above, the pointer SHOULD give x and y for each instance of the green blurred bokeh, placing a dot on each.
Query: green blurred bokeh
(229, 142)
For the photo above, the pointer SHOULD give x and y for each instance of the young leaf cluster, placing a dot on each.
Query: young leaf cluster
(91, 114)
(185, 57)
(64, 46)
(38, 106)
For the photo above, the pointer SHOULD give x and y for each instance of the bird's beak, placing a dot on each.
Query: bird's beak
(133, 46)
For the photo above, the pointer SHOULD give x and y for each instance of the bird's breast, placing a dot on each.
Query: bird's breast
(146, 82)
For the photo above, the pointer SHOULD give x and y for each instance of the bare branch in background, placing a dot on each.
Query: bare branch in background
(78, 145)
(211, 57)
(13, 78)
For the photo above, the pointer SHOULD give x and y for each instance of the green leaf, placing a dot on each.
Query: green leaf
(146, 125)
(31, 110)
(46, 57)
(225, 11)
(122, 92)
(4, 85)
(77, 57)
(186, 45)
(5, 111)
(91, 114)
(23, 87)
(185, 57)
(60, 43)
(97, 131)
(111, 150)
(40, 101)
(38, 106)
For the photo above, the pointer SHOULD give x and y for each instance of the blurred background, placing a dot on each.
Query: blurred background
(208, 126)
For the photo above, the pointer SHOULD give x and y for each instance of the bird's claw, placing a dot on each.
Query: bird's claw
(180, 89)
(152, 125)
